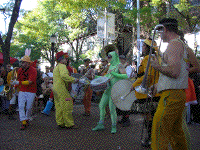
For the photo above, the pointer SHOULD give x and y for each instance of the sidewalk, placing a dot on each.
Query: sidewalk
(43, 133)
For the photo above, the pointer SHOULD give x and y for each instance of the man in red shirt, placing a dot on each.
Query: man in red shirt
(26, 79)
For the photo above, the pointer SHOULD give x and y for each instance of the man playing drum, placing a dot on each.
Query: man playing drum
(88, 72)
(125, 121)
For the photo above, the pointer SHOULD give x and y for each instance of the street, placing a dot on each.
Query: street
(43, 133)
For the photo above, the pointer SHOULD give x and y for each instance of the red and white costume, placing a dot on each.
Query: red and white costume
(27, 92)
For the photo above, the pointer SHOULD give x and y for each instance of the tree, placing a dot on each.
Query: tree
(49, 18)
(186, 13)
(5, 44)
(36, 27)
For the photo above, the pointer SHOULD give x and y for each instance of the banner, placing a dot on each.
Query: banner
(101, 24)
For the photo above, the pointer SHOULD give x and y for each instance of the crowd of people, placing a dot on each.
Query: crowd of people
(171, 80)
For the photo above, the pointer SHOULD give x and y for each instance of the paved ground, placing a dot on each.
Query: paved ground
(43, 134)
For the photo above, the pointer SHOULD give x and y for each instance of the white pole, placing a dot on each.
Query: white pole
(138, 33)
(106, 29)
(167, 5)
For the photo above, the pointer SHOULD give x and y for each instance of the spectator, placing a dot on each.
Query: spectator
(48, 72)
(12, 75)
(4, 102)
(5, 72)
(103, 67)
(46, 90)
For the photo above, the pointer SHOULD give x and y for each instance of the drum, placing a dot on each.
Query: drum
(77, 91)
(84, 82)
(76, 75)
(100, 84)
(121, 94)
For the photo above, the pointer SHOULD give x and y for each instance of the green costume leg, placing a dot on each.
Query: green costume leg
(102, 105)
(113, 112)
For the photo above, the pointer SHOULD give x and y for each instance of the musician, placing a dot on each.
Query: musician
(12, 75)
(113, 59)
(168, 121)
(103, 67)
(5, 72)
(125, 121)
(62, 98)
(89, 73)
(26, 79)
(142, 99)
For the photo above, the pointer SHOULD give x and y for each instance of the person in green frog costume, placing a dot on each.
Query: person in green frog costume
(114, 76)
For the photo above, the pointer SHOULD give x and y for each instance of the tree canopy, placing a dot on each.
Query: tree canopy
(73, 21)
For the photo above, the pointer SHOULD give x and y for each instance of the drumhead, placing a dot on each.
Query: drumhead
(84, 81)
(99, 81)
(122, 95)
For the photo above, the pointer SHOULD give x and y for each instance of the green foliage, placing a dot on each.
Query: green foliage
(183, 12)
(73, 20)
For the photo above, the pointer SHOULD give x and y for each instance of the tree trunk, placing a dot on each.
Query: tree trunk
(6, 45)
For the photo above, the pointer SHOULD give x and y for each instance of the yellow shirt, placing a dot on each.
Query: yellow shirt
(150, 78)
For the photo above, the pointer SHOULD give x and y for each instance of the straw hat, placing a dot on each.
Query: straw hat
(26, 59)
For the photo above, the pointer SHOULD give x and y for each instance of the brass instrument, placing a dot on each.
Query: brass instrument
(8, 88)
(143, 88)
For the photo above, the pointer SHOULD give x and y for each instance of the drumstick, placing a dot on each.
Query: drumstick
(123, 97)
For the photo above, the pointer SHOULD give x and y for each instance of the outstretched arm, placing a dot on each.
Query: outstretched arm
(118, 75)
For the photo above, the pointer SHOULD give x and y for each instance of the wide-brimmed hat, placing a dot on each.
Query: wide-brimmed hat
(60, 54)
(26, 59)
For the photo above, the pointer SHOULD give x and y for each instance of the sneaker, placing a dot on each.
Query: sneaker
(127, 123)
(86, 114)
(146, 142)
(42, 112)
(23, 127)
(61, 127)
(99, 127)
(72, 127)
(121, 121)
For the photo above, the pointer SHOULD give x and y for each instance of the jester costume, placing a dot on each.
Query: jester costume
(106, 98)
(27, 82)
